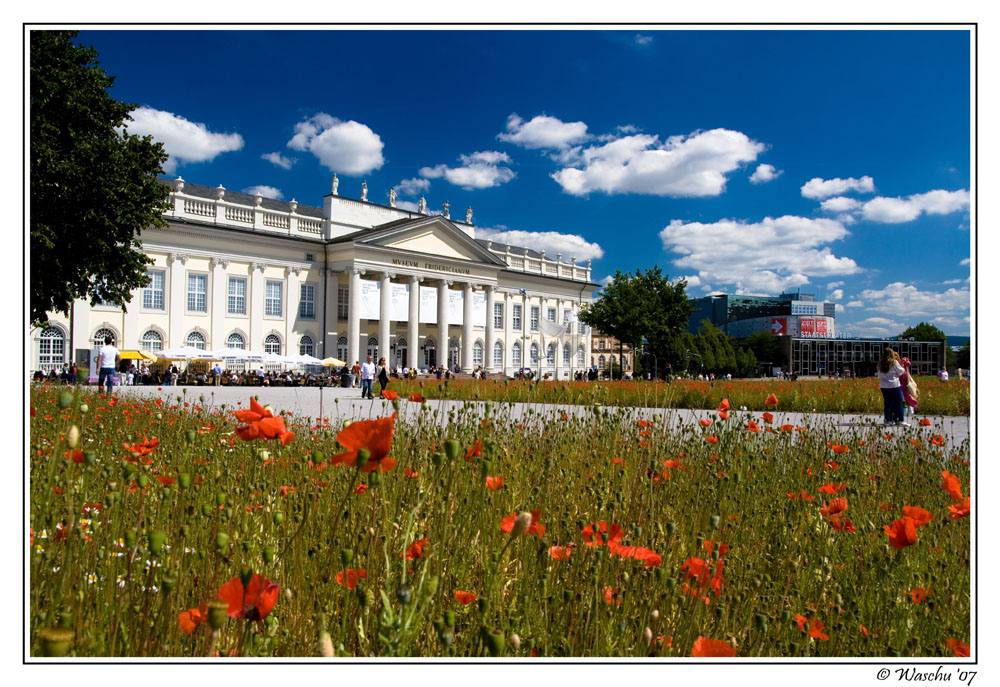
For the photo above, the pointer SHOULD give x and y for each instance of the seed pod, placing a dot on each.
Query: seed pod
(221, 540)
(449, 618)
(168, 583)
(713, 521)
(189, 436)
(89, 458)
(65, 400)
(451, 449)
(325, 645)
(278, 517)
(494, 642)
(155, 541)
(130, 537)
(220, 499)
(56, 641)
(522, 523)
(73, 436)
(246, 574)
(184, 480)
(217, 611)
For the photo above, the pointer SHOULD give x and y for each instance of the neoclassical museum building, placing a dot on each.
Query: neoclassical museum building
(349, 279)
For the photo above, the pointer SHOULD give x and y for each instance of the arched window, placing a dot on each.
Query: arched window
(515, 354)
(401, 353)
(306, 346)
(430, 353)
(272, 344)
(477, 353)
(600, 363)
(534, 355)
(612, 361)
(236, 341)
(452, 352)
(196, 340)
(550, 355)
(342, 348)
(100, 335)
(566, 354)
(373, 349)
(498, 354)
(580, 356)
(152, 341)
(51, 349)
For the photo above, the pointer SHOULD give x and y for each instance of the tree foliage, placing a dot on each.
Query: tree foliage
(766, 347)
(927, 332)
(94, 186)
(963, 358)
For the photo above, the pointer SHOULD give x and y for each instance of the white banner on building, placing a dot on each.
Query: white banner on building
(478, 309)
(370, 304)
(400, 302)
(456, 301)
(428, 305)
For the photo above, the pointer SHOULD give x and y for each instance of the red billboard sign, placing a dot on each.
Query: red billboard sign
(779, 326)
(806, 326)
(820, 327)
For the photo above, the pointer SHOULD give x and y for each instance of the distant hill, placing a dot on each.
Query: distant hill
(957, 341)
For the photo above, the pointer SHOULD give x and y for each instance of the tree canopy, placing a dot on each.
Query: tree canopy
(94, 186)
(927, 332)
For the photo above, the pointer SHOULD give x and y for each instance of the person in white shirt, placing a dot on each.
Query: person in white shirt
(367, 377)
(108, 358)
(943, 375)
(889, 372)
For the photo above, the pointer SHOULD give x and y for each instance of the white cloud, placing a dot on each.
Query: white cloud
(838, 307)
(406, 205)
(606, 280)
(643, 40)
(683, 166)
(835, 295)
(840, 204)
(266, 191)
(543, 131)
(967, 261)
(951, 323)
(411, 187)
(693, 280)
(856, 304)
(875, 327)
(953, 281)
(897, 210)
(570, 245)
(183, 140)
(346, 147)
(478, 170)
(764, 174)
(279, 160)
(821, 188)
(900, 298)
(835, 284)
(769, 256)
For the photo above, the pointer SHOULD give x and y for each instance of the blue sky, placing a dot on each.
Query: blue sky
(832, 161)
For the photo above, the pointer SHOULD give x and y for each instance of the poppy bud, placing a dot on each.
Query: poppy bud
(785, 616)
(268, 554)
(217, 613)
(246, 574)
(494, 642)
(363, 456)
(221, 540)
(793, 647)
(713, 521)
(65, 619)
(699, 541)
(654, 614)
(346, 556)
(220, 499)
(65, 399)
(56, 641)
(451, 449)
(325, 645)
(206, 510)
(671, 584)
(130, 537)
(485, 468)
(432, 586)
(156, 540)
(760, 622)
(89, 458)
(168, 583)
(446, 635)
(521, 524)
(128, 470)
(73, 436)
(626, 577)
(143, 481)
(278, 517)
(374, 479)
(449, 618)
(364, 595)
(189, 436)
(647, 636)
(184, 480)
(159, 416)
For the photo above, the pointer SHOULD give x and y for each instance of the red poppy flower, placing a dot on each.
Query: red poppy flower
(752, 426)
(389, 395)
(697, 568)
(843, 524)
(771, 400)
(611, 596)
(709, 546)
(723, 414)
(361, 489)
(920, 516)
(164, 480)
(507, 524)
(925, 422)
(786, 428)
(560, 553)
(192, 618)
(832, 487)
(494, 483)
(918, 594)
(705, 423)
(285, 490)
(902, 533)
(416, 549)
(415, 398)
(349, 578)
(835, 507)
(142, 449)
(952, 485)
(724, 405)
(937, 440)
(464, 598)
(958, 648)
(613, 530)
(474, 451)
(815, 630)
(712, 439)
(960, 510)
(711, 648)
(373, 435)
(255, 413)
(411, 473)
(673, 463)
(253, 603)
(767, 417)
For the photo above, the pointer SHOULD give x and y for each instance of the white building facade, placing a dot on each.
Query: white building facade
(347, 280)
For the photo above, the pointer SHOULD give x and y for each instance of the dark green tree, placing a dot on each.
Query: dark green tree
(963, 358)
(94, 186)
(928, 332)
(766, 347)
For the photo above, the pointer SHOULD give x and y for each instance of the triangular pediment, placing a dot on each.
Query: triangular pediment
(431, 236)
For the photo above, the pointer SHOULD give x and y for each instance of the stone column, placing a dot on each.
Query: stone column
(354, 316)
(292, 313)
(255, 307)
(413, 324)
(385, 317)
(467, 333)
(177, 295)
(442, 350)
(488, 353)
(330, 308)
(219, 300)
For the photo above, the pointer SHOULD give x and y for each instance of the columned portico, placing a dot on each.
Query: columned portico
(467, 335)
(442, 346)
(413, 323)
(385, 317)
(488, 348)
(354, 345)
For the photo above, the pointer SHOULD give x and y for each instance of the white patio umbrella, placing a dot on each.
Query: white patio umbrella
(183, 353)
(230, 353)
(302, 360)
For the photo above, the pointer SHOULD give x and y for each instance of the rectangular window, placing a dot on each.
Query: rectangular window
(197, 293)
(566, 314)
(498, 315)
(534, 318)
(307, 302)
(310, 257)
(237, 301)
(551, 314)
(342, 303)
(152, 295)
(516, 318)
(272, 299)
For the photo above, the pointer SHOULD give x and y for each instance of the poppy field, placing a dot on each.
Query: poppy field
(854, 395)
(179, 529)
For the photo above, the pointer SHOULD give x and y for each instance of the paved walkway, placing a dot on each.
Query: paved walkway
(341, 404)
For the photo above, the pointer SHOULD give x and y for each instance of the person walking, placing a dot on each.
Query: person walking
(383, 376)
(355, 373)
(889, 372)
(108, 359)
(367, 377)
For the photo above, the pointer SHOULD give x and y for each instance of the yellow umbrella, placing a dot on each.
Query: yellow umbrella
(137, 355)
(333, 361)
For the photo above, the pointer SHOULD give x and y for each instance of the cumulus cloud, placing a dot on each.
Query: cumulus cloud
(682, 166)
(967, 261)
(606, 280)
(908, 299)
(279, 160)
(543, 131)
(898, 210)
(184, 140)
(835, 284)
(953, 281)
(692, 280)
(952, 323)
(838, 307)
(764, 174)
(643, 40)
(817, 188)
(876, 327)
(406, 205)
(840, 204)
(411, 187)
(266, 191)
(346, 147)
(479, 170)
(552, 242)
(835, 295)
(769, 256)
(856, 304)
